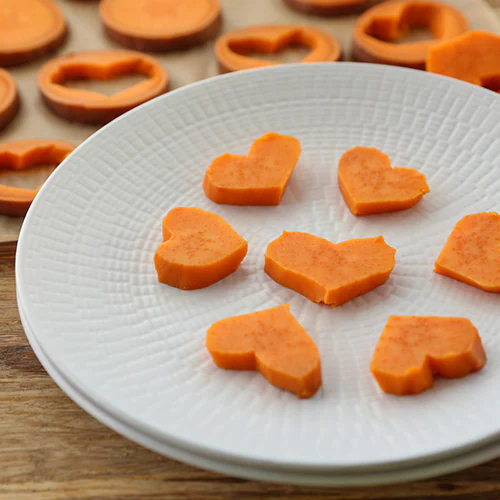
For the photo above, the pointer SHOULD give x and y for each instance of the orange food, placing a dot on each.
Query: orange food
(472, 252)
(377, 30)
(326, 272)
(234, 50)
(9, 98)
(29, 29)
(161, 25)
(199, 249)
(412, 349)
(257, 179)
(370, 185)
(473, 57)
(327, 7)
(91, 107)
(19, 155)
(272, 342)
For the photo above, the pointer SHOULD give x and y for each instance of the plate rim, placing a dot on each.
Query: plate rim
(166, 436)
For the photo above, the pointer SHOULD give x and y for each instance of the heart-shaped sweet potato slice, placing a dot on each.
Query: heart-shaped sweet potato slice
(199, 249)
(472, 252)
(272, 342)
(412, 349)
(257, 179)
(472, 57)
(326, 272)
(370, 185)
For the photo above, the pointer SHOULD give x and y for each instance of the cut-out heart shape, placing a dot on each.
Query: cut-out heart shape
(233, 49)
(91, 107)
(199, 249)
(412, 349)
(472, 57)
(272, 342)
(19, 155)
(257, 179)
(326, 272)
(370, 185)
(377, 30)
(472, 252)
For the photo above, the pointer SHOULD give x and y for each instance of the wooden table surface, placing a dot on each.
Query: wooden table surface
(50, 449)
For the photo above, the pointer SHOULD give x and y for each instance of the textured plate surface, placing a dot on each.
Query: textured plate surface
(136, 348)
(330, 478)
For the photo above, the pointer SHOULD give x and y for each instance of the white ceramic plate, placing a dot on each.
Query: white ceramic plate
(135, 348)
(330, 478)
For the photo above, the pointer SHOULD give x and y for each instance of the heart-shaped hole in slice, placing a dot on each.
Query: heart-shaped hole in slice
(257, 179)
(413, 349)
(85, 106)
(199, 249)
(239, 49)
(472, 252)
(272, 342)
(326, 272)
(370, 185)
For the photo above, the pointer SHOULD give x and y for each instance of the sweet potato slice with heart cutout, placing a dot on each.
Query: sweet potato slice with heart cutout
(92, 107)
(473, 57)
(199, 249)
(378, 29)
(272, 342)
(370, 185)
(472, 252)
(19, 155)
(326, 272)
(257, 179)
(412, 349)
(234, 49)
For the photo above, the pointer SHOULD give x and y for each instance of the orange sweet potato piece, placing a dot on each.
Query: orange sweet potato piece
(326, 272)
(272, 342)
(92, 107)
(234, 50)
(412, 349)
(370, 185)
(473, 57)
(199, 249)
(379, 28)
(472, 252)
(19, 155)
(161, 25)
(29, 29)
(257, 179)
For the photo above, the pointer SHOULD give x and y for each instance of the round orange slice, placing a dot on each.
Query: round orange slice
(29, 29)
(9, 99)
(234, 49)
(91, 107)
(161, 25)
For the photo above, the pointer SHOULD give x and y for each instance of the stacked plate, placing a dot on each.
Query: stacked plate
(131, 351)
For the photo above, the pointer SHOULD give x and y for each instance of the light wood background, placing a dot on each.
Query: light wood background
(50, 449)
